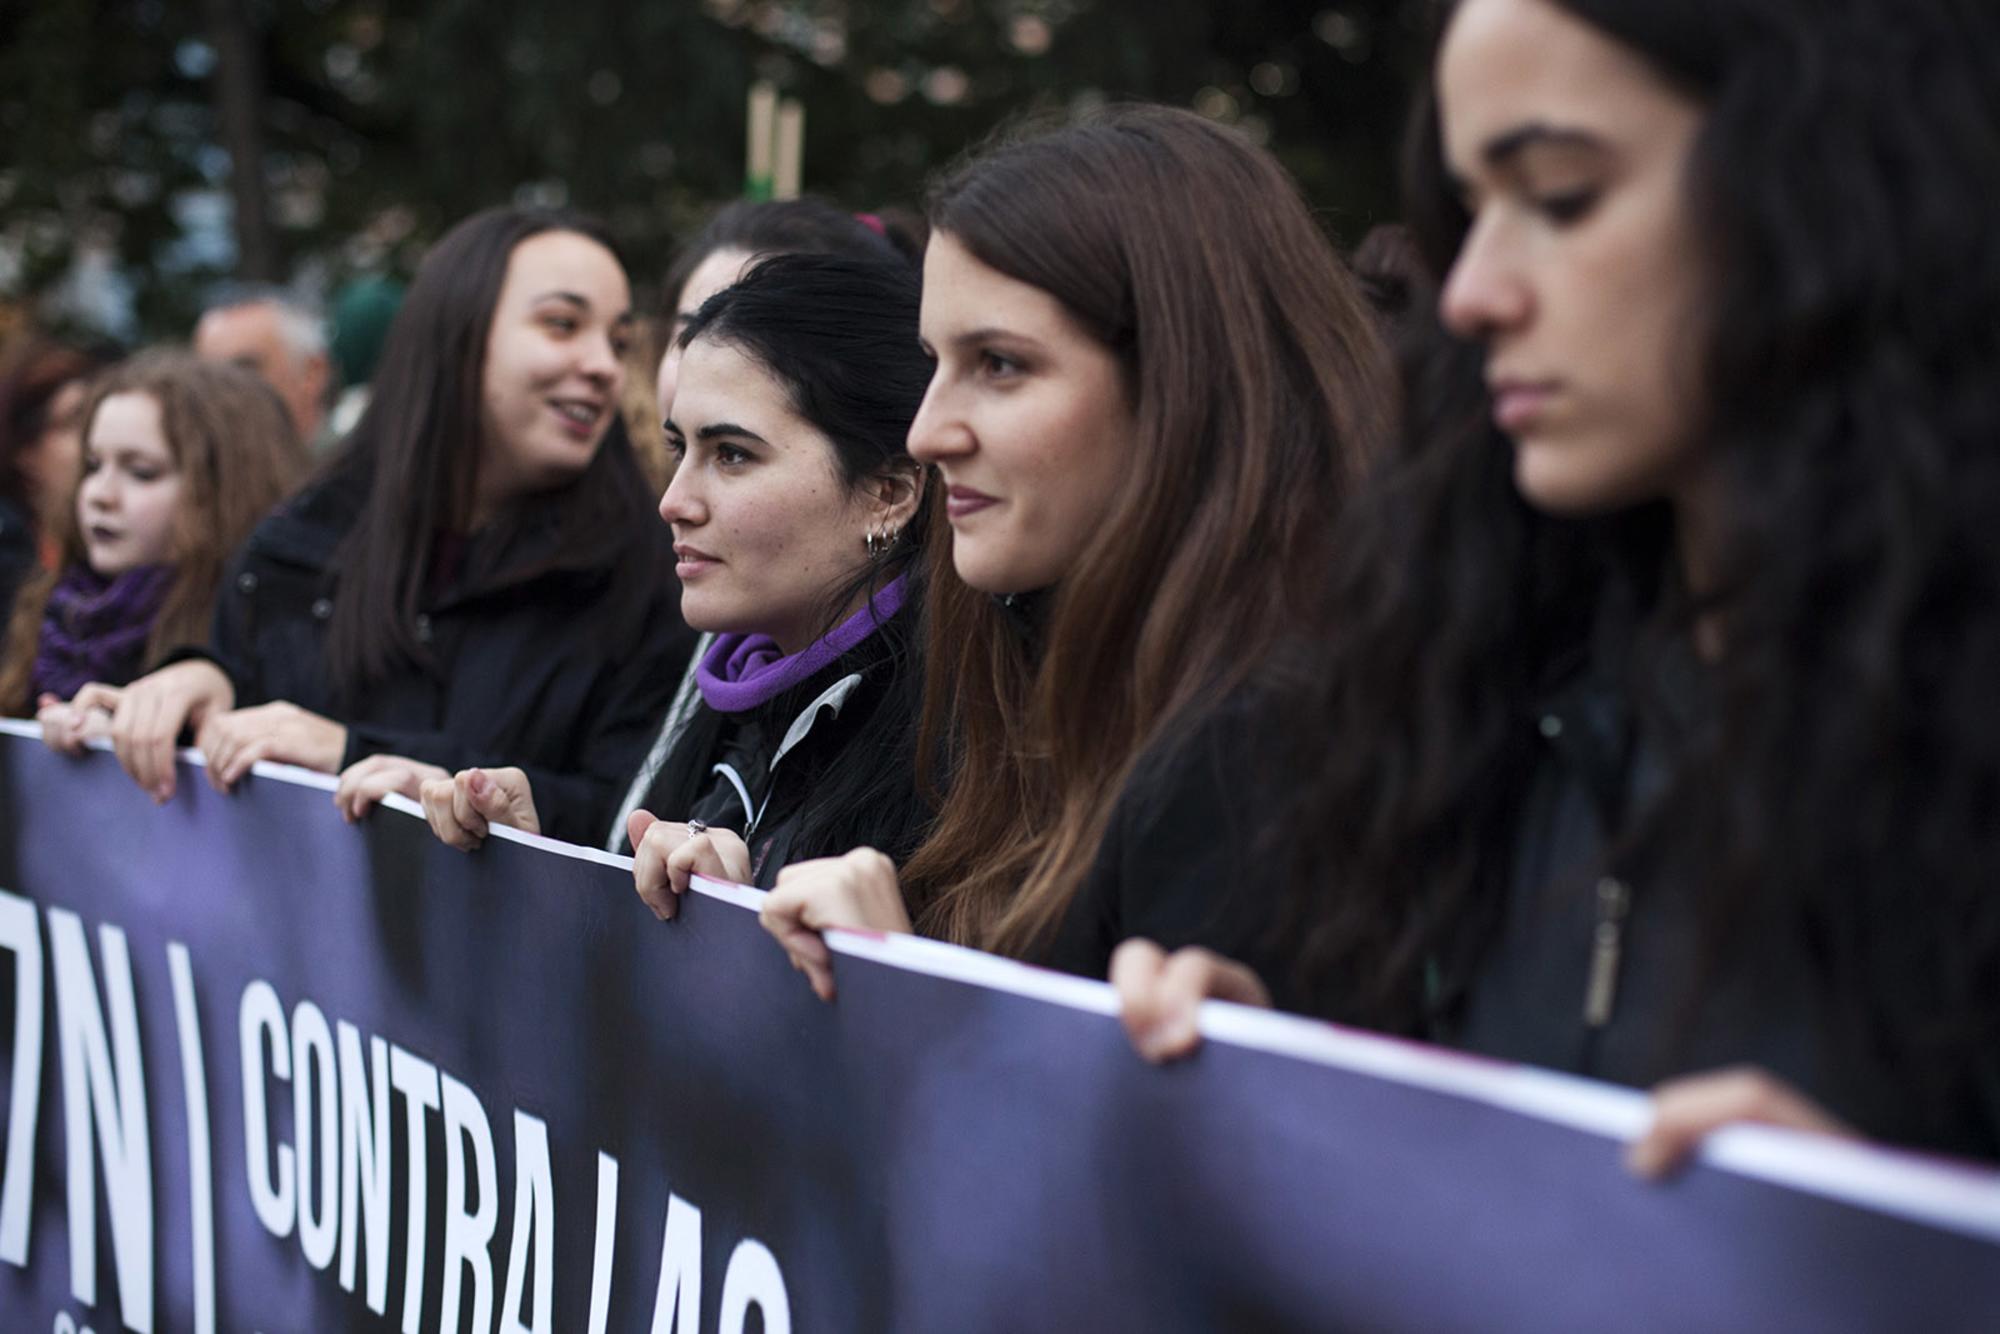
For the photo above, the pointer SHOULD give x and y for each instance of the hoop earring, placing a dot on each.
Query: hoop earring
(874, 544)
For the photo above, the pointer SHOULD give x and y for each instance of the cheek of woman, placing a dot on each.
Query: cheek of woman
(779, 540)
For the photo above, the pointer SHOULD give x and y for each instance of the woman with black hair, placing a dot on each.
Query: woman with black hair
(1656, 739)
(474, 579)
(742, 233)
(799, 520)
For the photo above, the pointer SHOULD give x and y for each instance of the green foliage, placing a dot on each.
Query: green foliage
(385, 120)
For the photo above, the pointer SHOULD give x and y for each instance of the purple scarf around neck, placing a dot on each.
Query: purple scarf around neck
(95, 628)
(740, 672)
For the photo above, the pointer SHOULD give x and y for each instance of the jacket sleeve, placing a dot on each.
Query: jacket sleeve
(228, 646)
(575, 799)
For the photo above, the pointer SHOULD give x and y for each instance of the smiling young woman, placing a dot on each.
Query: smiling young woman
(1658, 742)
(1144, 418)
(475, 579)
(180, 460)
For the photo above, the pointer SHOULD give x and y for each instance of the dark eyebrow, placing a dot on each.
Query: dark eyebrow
(714, 429)
(1503, 148)
(991, 333)
(581, 302)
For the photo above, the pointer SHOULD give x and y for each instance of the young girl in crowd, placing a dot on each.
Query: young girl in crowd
(1145, 419)
(180, 460)
(1657, 739)
(477, 578)
(800, 521)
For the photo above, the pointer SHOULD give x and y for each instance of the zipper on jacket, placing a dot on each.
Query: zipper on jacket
(1614, 903)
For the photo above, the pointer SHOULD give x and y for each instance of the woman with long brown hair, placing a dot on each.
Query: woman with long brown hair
(1145, 417)
(181, 458)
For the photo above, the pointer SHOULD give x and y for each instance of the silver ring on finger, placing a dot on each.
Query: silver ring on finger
(697, 827)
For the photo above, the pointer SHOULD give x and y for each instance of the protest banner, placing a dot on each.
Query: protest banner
(264, 1070)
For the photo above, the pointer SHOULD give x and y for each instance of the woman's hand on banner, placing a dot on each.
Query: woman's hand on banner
(1158, 994)
(666, 855)
(66, 725)
(464, 806)
(280, 732)
(365, 782)
(1687, 1110)
(857, 892)
(148, 716)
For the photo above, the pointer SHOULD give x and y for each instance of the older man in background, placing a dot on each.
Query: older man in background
(272, 333)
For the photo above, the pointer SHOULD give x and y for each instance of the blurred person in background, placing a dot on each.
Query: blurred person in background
(476, 578)
(272, 332)
(42, 389)
(181, 459)
(746, 231)
(362, 313)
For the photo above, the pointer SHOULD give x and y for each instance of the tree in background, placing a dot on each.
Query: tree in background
(376, 123)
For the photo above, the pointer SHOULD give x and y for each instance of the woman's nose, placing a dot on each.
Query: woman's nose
(1483, 294)
(939, 430)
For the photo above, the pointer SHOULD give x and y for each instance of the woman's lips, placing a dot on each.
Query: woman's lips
(1518, 406)
(691, 561)
(960, 501)
(571, 415)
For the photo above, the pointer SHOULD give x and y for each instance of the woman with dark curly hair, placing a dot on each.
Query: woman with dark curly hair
(1657, 735)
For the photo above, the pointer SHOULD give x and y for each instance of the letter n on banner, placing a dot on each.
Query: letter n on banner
(111, 1112)
(20, 933)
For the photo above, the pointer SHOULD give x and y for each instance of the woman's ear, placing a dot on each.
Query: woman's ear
(896, 494)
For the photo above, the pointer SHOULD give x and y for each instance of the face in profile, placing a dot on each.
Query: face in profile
(1580, 273)
(719, 270)
(131, 488)
(554, 363)
(1026, 420)
(766, 529)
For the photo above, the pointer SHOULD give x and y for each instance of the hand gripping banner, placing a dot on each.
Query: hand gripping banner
(262, 1070)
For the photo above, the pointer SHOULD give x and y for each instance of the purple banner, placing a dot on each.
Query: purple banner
(262, 1070)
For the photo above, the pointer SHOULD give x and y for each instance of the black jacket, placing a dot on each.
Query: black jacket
(824, 767)
(527, 672)
(1593, 966)
(1181, 862)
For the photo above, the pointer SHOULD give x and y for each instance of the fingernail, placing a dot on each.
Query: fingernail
(477, 783)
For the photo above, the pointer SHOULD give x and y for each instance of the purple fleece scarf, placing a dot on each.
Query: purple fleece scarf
(95, 628)
(740, 672)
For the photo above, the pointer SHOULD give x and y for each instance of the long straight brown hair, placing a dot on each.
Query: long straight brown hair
(1259, 389)
(238, 455)
(415, 452)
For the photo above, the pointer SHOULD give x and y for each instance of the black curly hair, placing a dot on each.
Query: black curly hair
(1846, 781)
